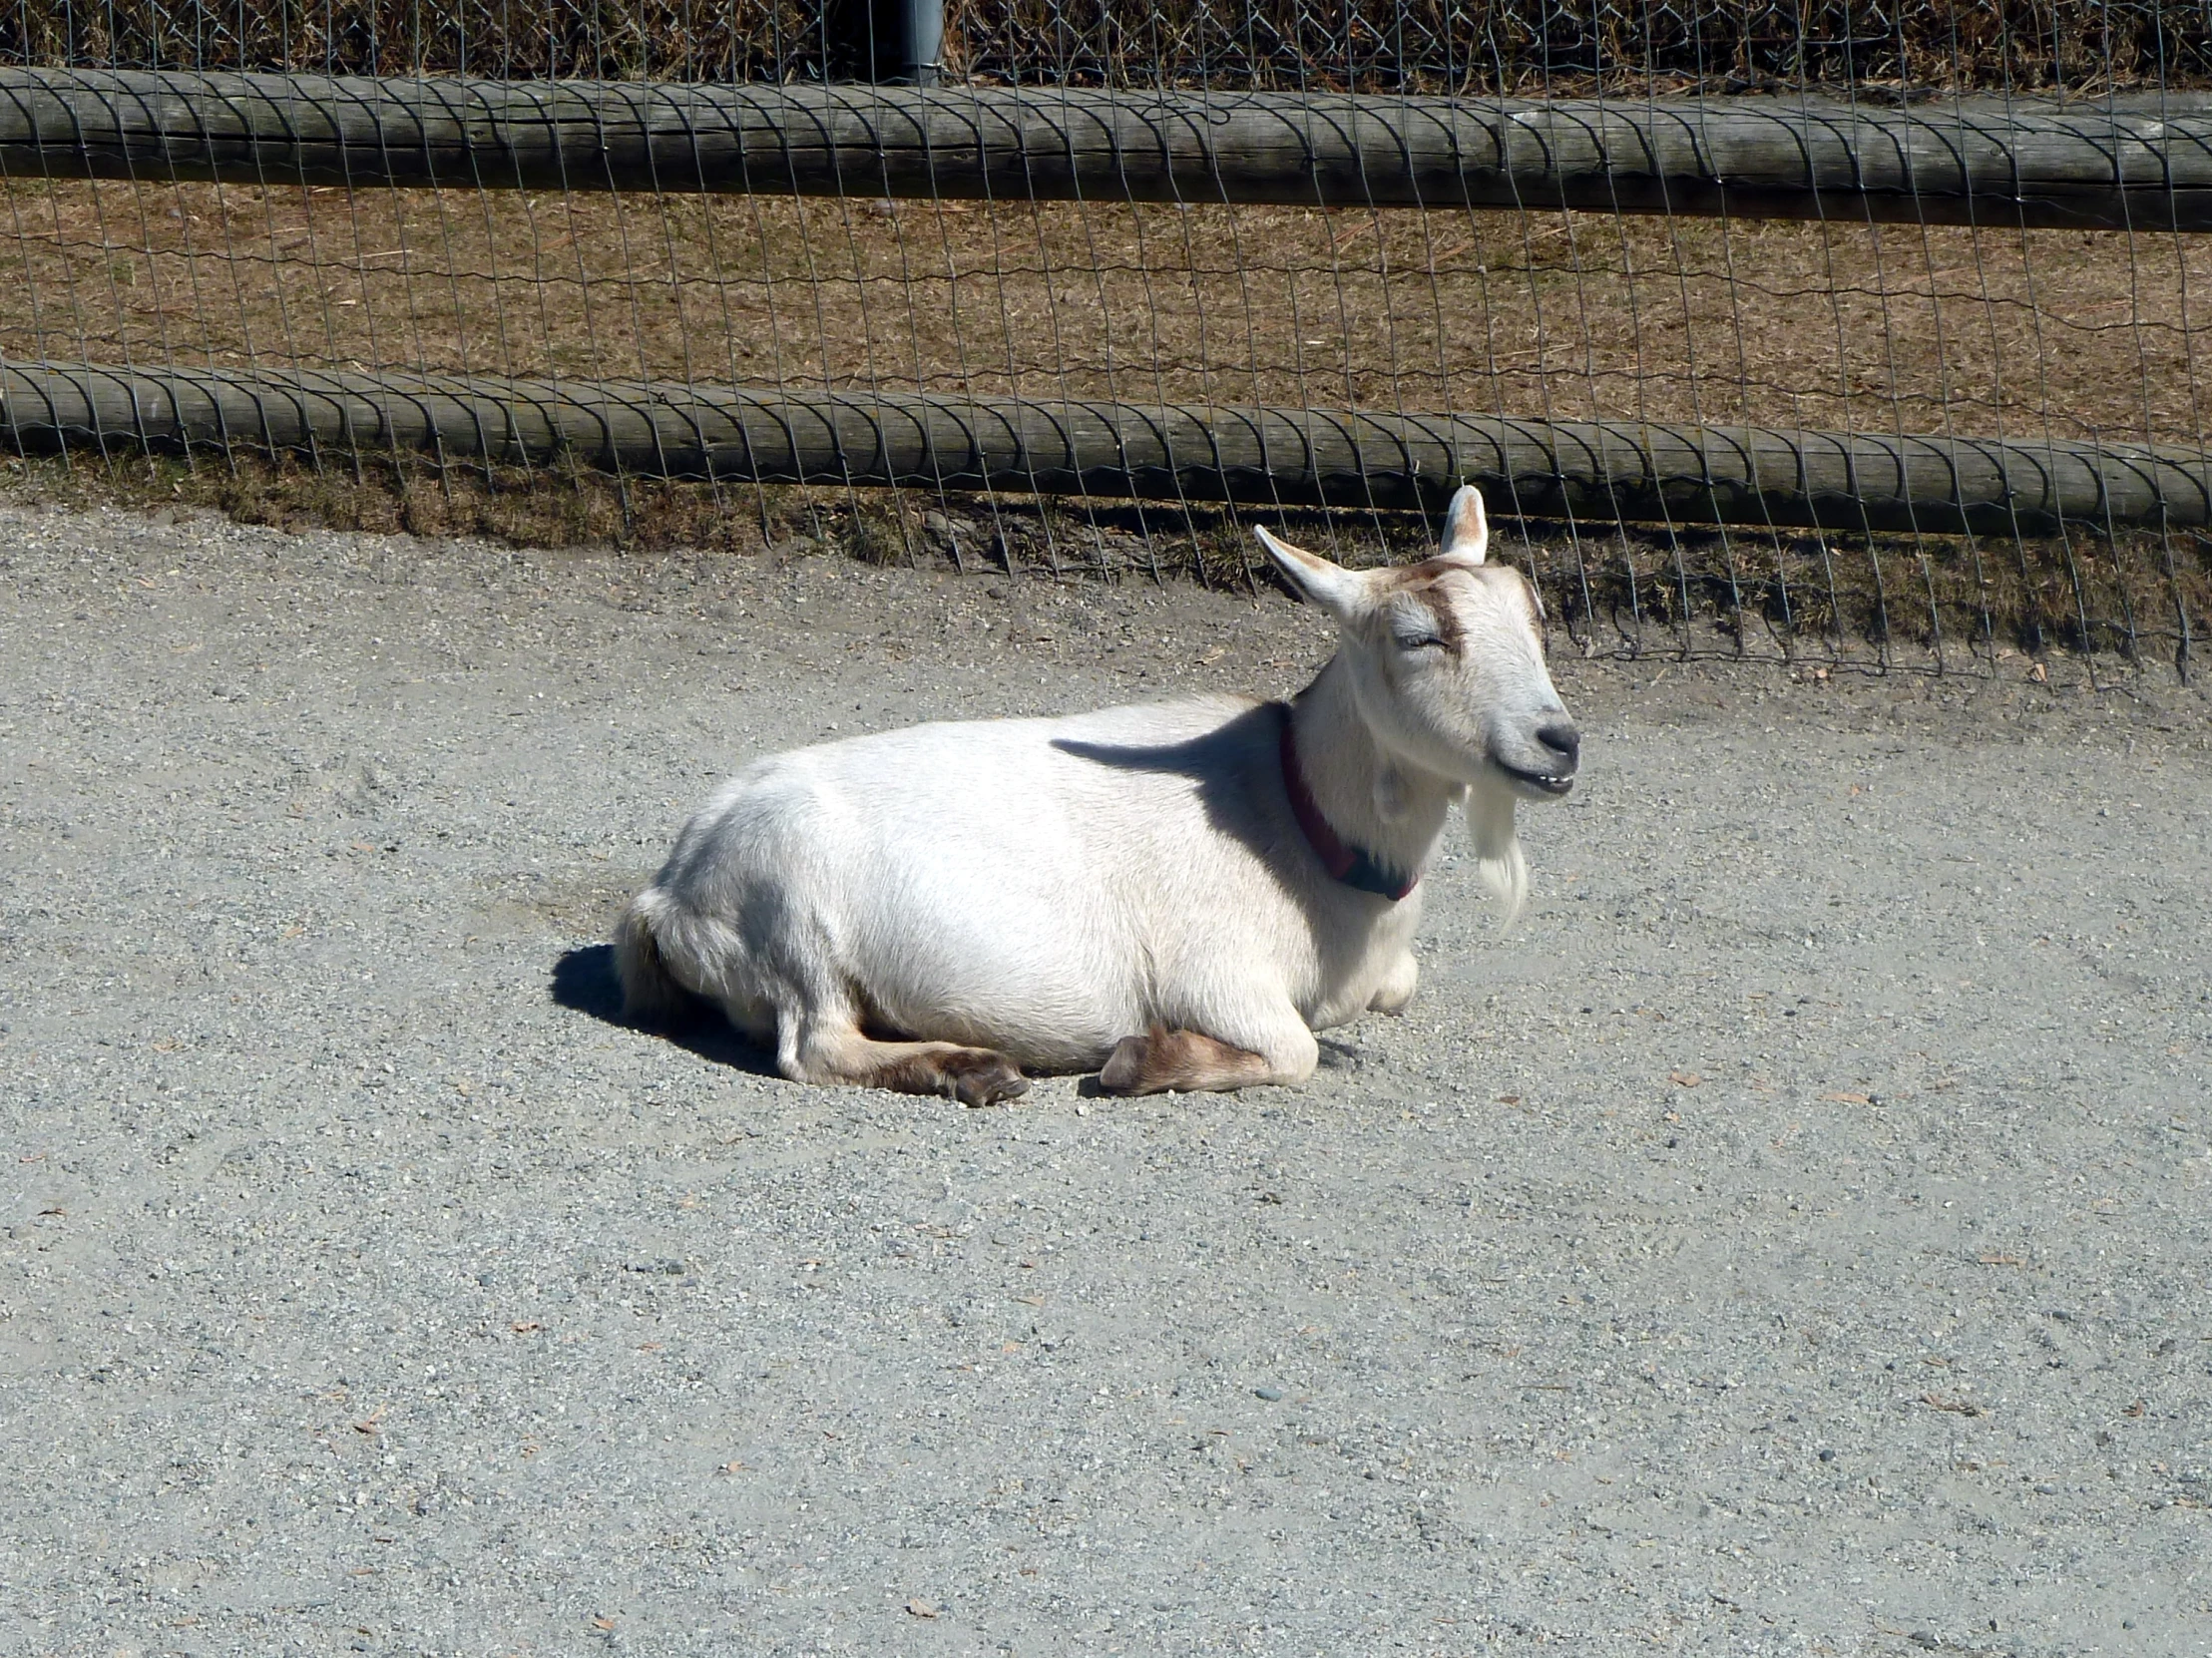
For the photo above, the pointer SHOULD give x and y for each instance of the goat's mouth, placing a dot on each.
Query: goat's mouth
(1546, 785)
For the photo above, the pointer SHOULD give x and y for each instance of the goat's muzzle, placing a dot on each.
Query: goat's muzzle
(1546, 765)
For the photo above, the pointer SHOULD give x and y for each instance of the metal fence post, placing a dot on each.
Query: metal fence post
(886, 42)
(924, 40)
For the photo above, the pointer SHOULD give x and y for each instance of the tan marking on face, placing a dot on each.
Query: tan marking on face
(1423, 583)
(1426, 573)
(1448, 618)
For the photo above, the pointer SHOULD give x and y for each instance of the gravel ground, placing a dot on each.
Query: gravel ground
(1792, 1237)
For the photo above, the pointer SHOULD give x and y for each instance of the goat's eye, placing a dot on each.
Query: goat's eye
(1420, 641)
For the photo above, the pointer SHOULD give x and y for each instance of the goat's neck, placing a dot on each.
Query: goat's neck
(1371, 798)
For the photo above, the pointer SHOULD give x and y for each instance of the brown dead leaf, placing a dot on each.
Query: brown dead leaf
(2039, 673)
(369, 1423)
(2134, 1410)
(1846, 1098)
(526, 1327)
(922, 1608)
(2001, 1260)
(603, 1623)
(737, 1466)
(1030, 1300)
(1961, 1406)
(1684, 1078)
(1508, 1099)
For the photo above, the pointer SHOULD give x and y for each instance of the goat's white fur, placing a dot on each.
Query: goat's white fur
(1045, 888)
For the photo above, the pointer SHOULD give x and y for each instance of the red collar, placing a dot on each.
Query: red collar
(1355, 866)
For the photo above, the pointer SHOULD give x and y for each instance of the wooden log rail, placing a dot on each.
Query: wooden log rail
(1975, 161)
(1603, 471)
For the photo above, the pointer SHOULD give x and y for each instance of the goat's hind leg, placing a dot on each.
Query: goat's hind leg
(817, 1009)
(831, 1047)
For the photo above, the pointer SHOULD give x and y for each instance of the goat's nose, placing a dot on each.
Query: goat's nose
(1561, 736)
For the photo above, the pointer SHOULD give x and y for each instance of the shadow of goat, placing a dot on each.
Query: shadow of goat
(585, 982)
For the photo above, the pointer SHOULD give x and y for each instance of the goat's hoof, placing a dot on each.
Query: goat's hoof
(1124, 1071)
(978, 1076)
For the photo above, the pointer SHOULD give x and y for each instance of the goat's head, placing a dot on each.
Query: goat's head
(1446, 660)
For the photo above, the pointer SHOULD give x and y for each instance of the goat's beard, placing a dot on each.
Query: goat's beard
(1499, 864)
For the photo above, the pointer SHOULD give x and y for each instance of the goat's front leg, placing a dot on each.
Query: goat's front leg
(1396, 989)
(1190, 1061)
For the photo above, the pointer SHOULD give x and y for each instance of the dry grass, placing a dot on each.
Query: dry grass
(1896, 600)
(1524, 46)
(1564, 315)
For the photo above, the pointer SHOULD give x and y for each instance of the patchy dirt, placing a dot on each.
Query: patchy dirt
(1791, 1238)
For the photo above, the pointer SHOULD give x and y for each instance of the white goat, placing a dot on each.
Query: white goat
(1181, 893)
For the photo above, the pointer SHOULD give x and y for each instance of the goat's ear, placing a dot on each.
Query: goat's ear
(1465, 529)
(1335, 589)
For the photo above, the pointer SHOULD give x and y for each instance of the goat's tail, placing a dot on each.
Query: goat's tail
(651, 993)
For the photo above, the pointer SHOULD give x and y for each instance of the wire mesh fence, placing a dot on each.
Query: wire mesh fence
(1383, 289)
(1884, 48)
